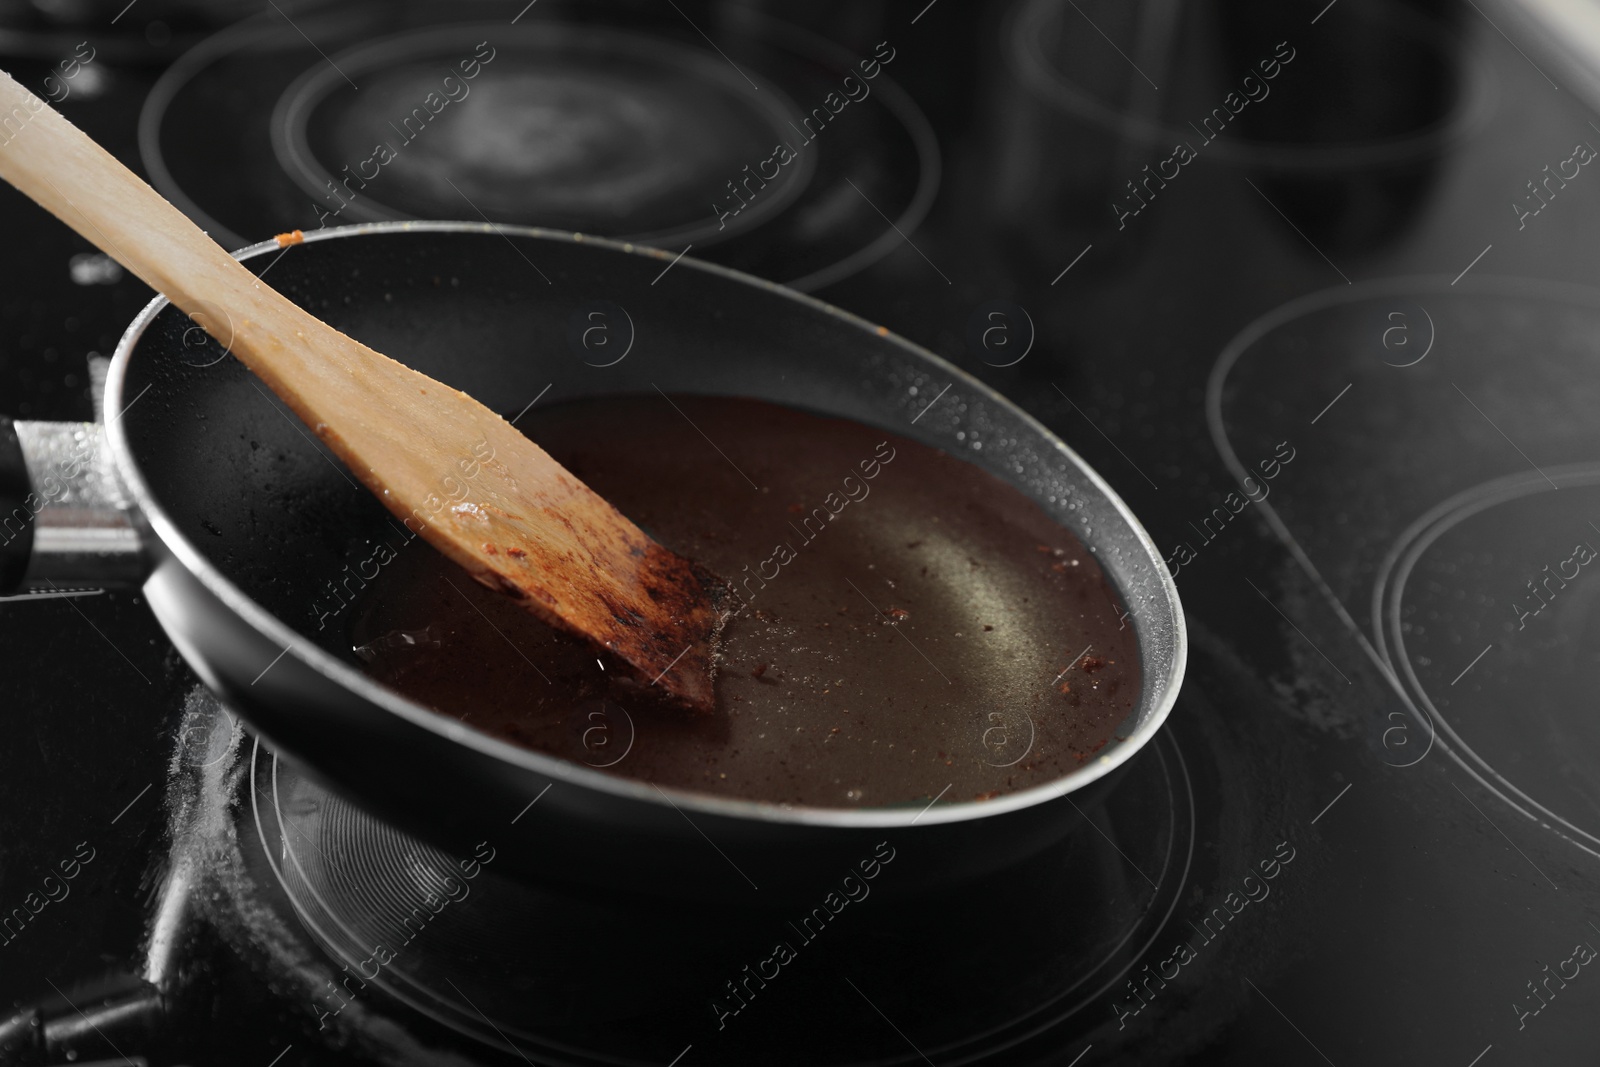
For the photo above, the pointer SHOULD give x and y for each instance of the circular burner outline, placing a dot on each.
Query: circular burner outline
(262, 31)
(292, 112)
(1405, 287)
(900, 105)
(407, 992)
(1180, 826)
(1479, 95)
(1174, 888)
(257, 30)
(1388, 594)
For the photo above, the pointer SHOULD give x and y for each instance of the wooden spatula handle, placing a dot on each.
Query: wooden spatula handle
(63, 170)
(114, 209)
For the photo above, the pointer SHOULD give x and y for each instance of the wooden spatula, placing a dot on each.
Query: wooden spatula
(524, 525)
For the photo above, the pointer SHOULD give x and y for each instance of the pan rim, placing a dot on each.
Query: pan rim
(555, 768)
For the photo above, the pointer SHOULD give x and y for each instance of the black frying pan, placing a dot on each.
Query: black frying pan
(197, 446)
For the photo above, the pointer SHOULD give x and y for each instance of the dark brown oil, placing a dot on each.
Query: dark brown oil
(912, 626)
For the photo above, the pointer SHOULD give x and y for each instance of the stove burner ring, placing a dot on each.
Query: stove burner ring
(357, 884)
(238, 77)
(1388, 596)
(1035, 24)
(1386, 647)
(588, 129)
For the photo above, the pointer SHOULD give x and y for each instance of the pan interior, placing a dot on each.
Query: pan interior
(510, 321)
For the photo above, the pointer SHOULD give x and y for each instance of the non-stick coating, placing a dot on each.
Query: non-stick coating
(233, 483)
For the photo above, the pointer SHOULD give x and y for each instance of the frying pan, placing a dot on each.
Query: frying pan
(203, 488)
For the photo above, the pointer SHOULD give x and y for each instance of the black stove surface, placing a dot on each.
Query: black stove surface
(1308, 283)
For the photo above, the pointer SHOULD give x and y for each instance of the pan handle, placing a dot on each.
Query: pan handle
(65, 521)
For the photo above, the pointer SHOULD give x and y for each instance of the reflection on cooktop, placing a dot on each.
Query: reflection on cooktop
(1343, 141)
